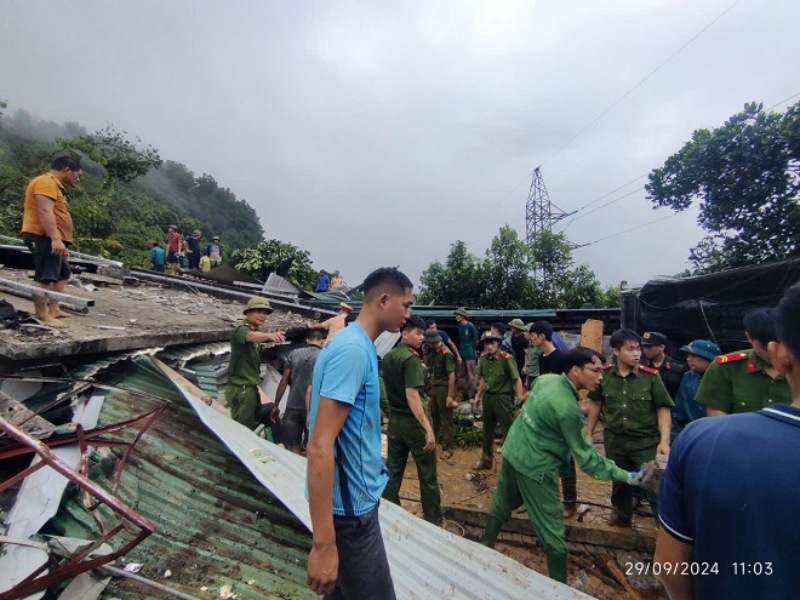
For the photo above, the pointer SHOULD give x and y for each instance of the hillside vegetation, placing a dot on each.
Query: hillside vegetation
(128, 195)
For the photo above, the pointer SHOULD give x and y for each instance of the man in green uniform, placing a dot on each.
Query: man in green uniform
(498, 383)
(442, 373)
(548, 432)
(636, 408)
(745, 381)
(467, 340)
(244, 369)
(409, 427)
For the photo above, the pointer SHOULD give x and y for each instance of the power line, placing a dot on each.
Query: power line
(645, 78)
(624, 231)
(602, 206)
(784, 101)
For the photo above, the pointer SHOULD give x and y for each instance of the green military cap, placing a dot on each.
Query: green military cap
(517, 324)
(488, 336)
(256, 303)
(431, 336)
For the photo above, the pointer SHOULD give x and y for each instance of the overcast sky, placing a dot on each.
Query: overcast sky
(378, 133)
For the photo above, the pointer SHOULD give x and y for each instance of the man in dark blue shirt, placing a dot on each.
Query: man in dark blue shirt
(193, 244)
(730, 494)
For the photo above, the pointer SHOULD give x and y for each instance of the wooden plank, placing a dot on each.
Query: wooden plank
(592, 335)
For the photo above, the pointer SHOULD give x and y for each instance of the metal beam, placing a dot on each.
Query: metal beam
(80, 303)
(87, 257)
(222, 291)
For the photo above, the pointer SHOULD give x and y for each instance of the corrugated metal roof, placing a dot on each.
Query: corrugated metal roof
(216, 524)
(427, 562)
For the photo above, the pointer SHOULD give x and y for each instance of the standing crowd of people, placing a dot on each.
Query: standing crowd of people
(527, 384)
(185, 252)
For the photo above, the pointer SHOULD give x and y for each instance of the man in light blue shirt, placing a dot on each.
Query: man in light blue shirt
(345, 474)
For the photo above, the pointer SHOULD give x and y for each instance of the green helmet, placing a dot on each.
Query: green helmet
(257, 302)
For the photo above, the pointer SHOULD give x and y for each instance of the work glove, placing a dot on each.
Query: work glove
(648, 477)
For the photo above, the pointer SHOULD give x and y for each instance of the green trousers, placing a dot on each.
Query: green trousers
(244, 404)
(496, 410)
(441, 416)
(541, 497)
(629, 452)
(406, 436)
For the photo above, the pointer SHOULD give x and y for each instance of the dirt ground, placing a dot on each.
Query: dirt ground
(459, 492)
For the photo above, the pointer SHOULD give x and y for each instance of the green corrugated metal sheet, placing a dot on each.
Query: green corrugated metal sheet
(216, 524)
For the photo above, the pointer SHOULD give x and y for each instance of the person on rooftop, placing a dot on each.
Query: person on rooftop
(244, 368)
(214, 252)
(47, 231)
(335, 324)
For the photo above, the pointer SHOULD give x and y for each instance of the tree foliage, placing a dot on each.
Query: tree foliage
(127, 196)
(745, 177)
(267, 255)
(513, 275)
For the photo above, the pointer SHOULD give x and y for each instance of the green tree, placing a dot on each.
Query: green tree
(506, 269)
(612, 297)
(552, 256)
(582, 287)
(459, 281)
(745, 177)
(259, 260)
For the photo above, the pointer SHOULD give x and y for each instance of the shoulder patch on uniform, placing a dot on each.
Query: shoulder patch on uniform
(608, 366)
(732, 357)
(505, 355)
(650, 370)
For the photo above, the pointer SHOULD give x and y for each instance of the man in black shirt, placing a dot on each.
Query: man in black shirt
(654, 345)
(550, 357)
(519, 342)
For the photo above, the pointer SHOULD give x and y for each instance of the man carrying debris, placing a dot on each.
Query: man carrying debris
(335, 324)
(654, 345)
(467, 343)
(745, 381)
(498, 383)
(47, 231)
(346, 476)
(297, 374)
(442, 373)
(729, 496)
(244, 369)
(637, 412)
(549, 433)
(409, 427)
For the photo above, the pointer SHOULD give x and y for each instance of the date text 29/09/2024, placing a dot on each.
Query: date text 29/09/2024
(696, 568)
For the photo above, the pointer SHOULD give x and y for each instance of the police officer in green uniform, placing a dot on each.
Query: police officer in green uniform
(498, 383)
(409, 427)
(654, 345)
(244, 368)
(442, 373)
(636, 409)
(547, 434)
(745, 381)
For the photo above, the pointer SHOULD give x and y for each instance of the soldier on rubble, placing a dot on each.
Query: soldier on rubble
(498, 384)
(637, 411)
(548, 433)
(410, 429)
(745, 381)
(654, 346)
(244, 369)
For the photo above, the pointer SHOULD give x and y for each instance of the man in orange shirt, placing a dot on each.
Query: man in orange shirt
(47, 231)
(335, 324)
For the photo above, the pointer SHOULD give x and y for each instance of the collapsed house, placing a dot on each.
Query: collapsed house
(117, 459)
